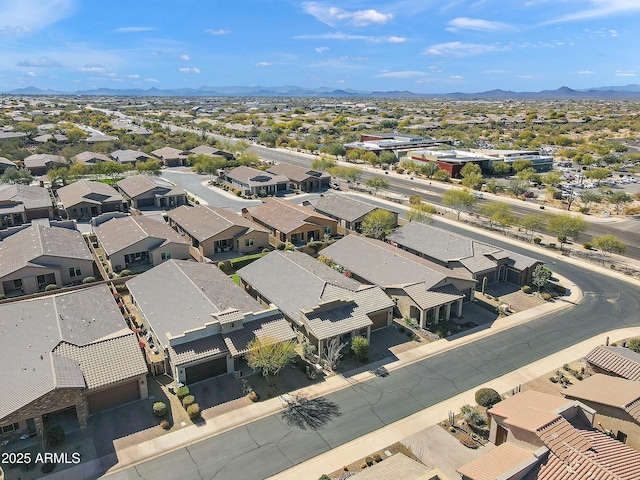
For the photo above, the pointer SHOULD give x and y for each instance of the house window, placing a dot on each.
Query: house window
(17, 283)
(166, 256)
(75, 271)
(10, 428)
(327, 230)
(621, 436)
(248, 242)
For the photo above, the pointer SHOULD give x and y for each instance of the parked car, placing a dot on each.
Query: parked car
(529, 194)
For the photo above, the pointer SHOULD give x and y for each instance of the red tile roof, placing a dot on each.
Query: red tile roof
(617, 360)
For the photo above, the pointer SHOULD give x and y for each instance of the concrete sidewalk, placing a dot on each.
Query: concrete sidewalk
(132, 455)
(400, 430)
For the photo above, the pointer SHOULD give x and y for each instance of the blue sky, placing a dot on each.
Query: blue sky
(430, 46)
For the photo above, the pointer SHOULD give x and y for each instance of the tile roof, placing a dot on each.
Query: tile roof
(197, 291)
(398, 466)
(30, 196)
(617, 360)
(108, 361)
(285, 216)
(30, 331)
(129, 156)
(6, 162)
(296, 173)
(136, 185)
(607, 390)
(271, 326)
(426, 298)
(168, 152)
(254, 177)
(531, 419)
(203, 221)
(205, 347)
(529, 398)
(87, 191)
(91, 157)
(30, 245)
(119, 233)
(379, 263)
(493, 465)
(43, 160)
(342, 206)
(562, 438)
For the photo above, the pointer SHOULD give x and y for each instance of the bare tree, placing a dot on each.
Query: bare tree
(333, 352)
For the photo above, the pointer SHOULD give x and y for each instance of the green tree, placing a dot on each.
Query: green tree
(336, 149)
(421, 212)
(110, 169)
(30, 128)
(77, 170)
(540, 277)
(597, 174)
(387, 158)
(149, 167)
(59, 175)
(520, 164)
(518, 186)
(248, 158)
(609, 243)
(634, 344)
(458, 200)
(323, 164)
(351, 174)
(75, 134)
(588, 197)
(360, 347)
(618, 199)
(13, 175)
(470, 168)
(378, 223)
(377, 183)
(552, 178)
(500, 168)
(371, 158)
(269, 355)
(209, 164)
(354, 154)
(498, 213)
(427, 169)
(473, 180)
(441, 175)
(565, 226)
(533, 223)
(529, 175)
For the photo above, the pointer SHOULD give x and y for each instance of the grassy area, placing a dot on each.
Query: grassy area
(235, 278)
(238, 263)
(110, 181)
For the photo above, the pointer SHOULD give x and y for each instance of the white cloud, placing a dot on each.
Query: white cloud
(92, 69)
(456, 77)
(465, 23)
(221, 31)
(349, 36)
(334, 15)
(133, 76)
(134, 29)
(614, 33)
(585, 72)
(27, 16)
(264, 64)
(599, 9)
(625, 73)
(321, 49)
(401, 74)
(189, 70)
(185, 57)
(460, 49)
(151, 80)
(42, 62)
(31, 74)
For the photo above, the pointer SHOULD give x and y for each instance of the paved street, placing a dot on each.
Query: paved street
(270, 445)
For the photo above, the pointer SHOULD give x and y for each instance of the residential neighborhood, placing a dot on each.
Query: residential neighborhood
(168, 288)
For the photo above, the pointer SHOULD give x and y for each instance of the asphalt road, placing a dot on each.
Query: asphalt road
(268, 446)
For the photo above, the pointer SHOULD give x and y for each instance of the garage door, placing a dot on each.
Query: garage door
(113, 397)
(379, 320)
(203, 371)
(146, 202)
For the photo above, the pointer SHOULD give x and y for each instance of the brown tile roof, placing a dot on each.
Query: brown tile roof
(203, 221)
(168, 152)
(498, 461)
(617, 360)
(607, 390)
(271, 326)
(343, 207)
(562, 438)
(285, 216)
(529, 398)
(137, 185)
(87, 191)
(91, 157)
(31, 197)
(296, 173)
(531, 419)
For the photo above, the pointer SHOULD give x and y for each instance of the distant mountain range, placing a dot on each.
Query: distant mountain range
(619, 92)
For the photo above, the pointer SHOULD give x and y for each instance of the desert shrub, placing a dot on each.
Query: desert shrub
(2, 296)
(188, 400)
(308, 350)
(193, 411)
(369, 461)
(159, 409)
(125, 273)
(86, 280)
(467, 441)
(50, 287)
(633, 344)
(54, 436)
(553, 379)
(546, 296)
(587, 245)
(182, 392)
(566, 367)
(452, 429)
(325, 477)
(487, 397)
(165, 424)
(360, 347)
(238, 193)
(222, 266)
(281, 246)
(537, 240)
(265, 250)
(471, 414)
(526, 289)
(254, 397)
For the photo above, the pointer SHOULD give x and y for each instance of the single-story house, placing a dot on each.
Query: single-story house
(252, 181)
(5, 163)
(204, 326)
(301, 178)
(41, 163)
(616, 402)
(289, 222)
(48, 137)
(546, 437)
(138, 241)
(212, 152)
(616, 361)
(320, 302)
(91, 158)
(169, 156)
(85, 199)
(130, 156)
(213, 230)
(38, 256)
(22, 203)
(347, 211)
(422, 290)
(486, 263)
(66, 351)
(145, 191)
(99, 138)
